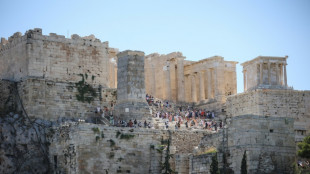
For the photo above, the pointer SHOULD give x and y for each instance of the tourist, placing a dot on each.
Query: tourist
(130, 124)
(149, 125)
(145, 124)
(111, 120)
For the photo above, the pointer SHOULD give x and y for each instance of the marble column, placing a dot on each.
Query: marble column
(281, 74)
(277, 73)
(201, 86)
(285, 77)
(209, 84)
(187, 84)
(193, 88)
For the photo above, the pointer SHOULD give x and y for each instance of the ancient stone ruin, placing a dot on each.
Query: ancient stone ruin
(131, 103)
(61, 100)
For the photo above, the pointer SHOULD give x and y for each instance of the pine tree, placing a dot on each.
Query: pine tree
(214, 169)
(304, 148)
(166, 165)
(244, 169)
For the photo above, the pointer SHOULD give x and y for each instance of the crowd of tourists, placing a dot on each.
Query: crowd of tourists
(188, 116)
(178, 117)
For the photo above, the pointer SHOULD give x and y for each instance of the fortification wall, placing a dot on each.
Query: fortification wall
(268, 142)
(277, 103)
(52, 100)
(55, 57)
(200, 164)
(90, 148)
(13, 58)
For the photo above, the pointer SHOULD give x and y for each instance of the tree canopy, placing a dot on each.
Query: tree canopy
(304, 148)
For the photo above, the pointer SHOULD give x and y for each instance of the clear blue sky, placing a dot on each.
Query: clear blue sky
(237, 30)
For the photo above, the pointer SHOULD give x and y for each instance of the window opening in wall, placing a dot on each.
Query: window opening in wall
(271, 130)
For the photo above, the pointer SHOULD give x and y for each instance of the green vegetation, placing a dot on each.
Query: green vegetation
(160, 148)
(166, 165)
(85, 91)
(118, 133)
(244, 167)
(304, 148)
(152, 146)
(112, 143)
(124, 136)
(214, 169)
(96, 130)
(97, 138)
(102, 134)
(210, 150)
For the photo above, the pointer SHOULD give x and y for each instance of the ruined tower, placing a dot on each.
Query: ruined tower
(131, 103)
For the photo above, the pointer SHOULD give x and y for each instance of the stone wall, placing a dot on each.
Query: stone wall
(200, 164)
(55, 58)
(201, 158)
(268, 142)
(90, 148)
(13, 60)
(277, 103)
(52, 100)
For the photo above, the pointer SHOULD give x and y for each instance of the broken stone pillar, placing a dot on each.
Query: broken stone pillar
(131, 103)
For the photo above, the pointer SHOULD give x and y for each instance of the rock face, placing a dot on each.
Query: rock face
(131, 103)
(23, 145)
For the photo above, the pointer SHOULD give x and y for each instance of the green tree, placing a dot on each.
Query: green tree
(304, 148)
(244, 169)
(214, 169)
(166, 165)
